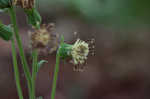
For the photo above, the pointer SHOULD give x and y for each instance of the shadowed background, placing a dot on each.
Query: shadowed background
(120, 67)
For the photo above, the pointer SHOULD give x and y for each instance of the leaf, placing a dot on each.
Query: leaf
(40, 63)
(33, 17)
(6, 32)
(5, 4)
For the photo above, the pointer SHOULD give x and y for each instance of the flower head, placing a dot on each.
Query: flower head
(79, 52)
(44, 39)
(26, 4)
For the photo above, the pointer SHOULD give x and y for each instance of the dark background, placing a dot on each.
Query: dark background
(120, 67)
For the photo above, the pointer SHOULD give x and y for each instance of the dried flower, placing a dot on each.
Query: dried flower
(78, 52)
(26, 4)
(44, 39)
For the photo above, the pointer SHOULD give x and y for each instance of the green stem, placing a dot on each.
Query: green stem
(21, 51)
(16, 71)
(34, 72)
(55, 76)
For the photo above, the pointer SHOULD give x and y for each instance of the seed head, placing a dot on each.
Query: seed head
(44, 39)
(89, 50)
(26, 4)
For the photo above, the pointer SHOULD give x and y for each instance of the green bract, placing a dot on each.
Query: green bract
(5, 32)
(33, 17)
(64, 50)
(5, 4)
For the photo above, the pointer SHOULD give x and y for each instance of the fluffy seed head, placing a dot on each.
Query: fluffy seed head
(79, 52)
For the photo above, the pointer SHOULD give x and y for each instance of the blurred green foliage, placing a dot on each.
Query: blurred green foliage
(104, 11)
(5, 4)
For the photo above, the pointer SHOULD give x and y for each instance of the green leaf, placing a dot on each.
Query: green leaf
(5, 4)
(33, 17)
(6, 32)
(40, 63)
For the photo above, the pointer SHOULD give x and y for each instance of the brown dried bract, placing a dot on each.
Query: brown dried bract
(26, 4)
(80, 68)
(44, 39)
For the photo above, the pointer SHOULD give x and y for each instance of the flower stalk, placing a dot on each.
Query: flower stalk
(21, 51)
(55, 77)
(34, 71)
(16, 70)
